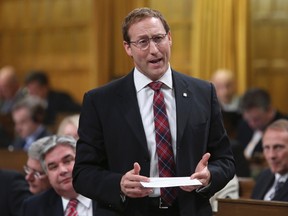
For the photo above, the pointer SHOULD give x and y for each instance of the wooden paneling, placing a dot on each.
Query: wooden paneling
(269, 45)
(14, 160)
(179, 17)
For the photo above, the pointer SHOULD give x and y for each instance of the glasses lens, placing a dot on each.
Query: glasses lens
(35, 173)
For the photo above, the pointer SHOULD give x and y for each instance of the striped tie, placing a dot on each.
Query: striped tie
(164, 150)
(71, 208)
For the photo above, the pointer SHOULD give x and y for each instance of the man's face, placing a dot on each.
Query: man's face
(257, 118)
(154, 61)
(275, 149)
(59, 162)
(35, 176)
(225, 89)
(24, 125)
(35, 89)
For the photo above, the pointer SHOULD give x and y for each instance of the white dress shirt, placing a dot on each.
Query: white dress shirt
(281, 178)
(145, 101)
(84, 207)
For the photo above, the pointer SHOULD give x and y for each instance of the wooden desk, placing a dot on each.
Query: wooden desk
(13, 159)
(246, 186)
(249, 207)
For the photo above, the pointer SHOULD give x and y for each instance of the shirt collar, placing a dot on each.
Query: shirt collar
(281, 178)
(141, 81)
(83, 200)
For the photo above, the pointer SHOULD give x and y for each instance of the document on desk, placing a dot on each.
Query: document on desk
(170, 182)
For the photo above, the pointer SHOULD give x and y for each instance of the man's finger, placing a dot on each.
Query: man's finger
(205, 159)
(137, 168)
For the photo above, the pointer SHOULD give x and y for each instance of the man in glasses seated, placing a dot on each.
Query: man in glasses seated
(35, 175)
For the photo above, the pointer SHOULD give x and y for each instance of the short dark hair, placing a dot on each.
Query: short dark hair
(139, 14)
(255, 98)
(37, 76)
(35, 106)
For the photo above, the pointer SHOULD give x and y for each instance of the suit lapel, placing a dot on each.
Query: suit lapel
(55, 206)
(283, 193)
(129, 107)
(183, 96)
(267, 184)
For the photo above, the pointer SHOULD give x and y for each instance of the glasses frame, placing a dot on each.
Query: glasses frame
(154, 38)
(36, 174)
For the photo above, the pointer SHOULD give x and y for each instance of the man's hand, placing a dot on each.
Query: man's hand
(130, 183)
(201, 173)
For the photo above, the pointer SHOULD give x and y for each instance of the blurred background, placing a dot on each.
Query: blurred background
(79, 43)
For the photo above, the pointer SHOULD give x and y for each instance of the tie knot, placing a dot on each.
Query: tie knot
(73, 203)
(156, 86)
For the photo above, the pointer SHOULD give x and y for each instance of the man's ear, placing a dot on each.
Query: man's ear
(127, 48)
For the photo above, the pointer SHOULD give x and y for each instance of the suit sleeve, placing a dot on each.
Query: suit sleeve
(91, 175)
(221, 163)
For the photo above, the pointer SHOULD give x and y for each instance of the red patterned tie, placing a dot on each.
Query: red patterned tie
(71, 208)
(164, 150)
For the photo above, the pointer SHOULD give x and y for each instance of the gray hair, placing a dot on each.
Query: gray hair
(44, 145)
(35, 148)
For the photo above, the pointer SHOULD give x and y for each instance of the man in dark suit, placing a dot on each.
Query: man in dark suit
(117, 148)
(28, 115)
(258, 112)
(13, 190)
(272, 183)
(58, 102)
(57, 159)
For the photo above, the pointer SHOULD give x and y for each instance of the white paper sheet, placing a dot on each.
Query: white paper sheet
(170, 182)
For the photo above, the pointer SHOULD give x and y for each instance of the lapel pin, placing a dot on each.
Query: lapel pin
(185, 94)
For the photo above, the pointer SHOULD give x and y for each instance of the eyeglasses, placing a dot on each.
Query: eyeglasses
(35, 173)
(144, 43)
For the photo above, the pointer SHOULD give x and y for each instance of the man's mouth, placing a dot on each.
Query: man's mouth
(155, 61)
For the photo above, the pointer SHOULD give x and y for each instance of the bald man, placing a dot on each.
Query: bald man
(225, 85)
(10, 90)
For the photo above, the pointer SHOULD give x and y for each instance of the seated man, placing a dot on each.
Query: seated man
(57, 160)
(37, 84)
(35, 176)
(258, 113)
(28, 115)
(225, 85)
(272, 183)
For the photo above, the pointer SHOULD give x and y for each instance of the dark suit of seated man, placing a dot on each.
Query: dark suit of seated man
(272, 183)
(57, 160)
(13, 190)
(58, 102)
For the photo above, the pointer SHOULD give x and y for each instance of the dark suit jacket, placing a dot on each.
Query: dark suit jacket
(49, 203)
(13, 190)
(112, 138)
(264, 182)
(19, 143)
(59, 102)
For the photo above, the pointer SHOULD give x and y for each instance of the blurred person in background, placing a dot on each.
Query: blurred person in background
(258, 112)
(225, 85)
(37, 84)
(272, 183)
(35, 176)
(10, 93)
(69, 126)
(28, 115)
(10, 89)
